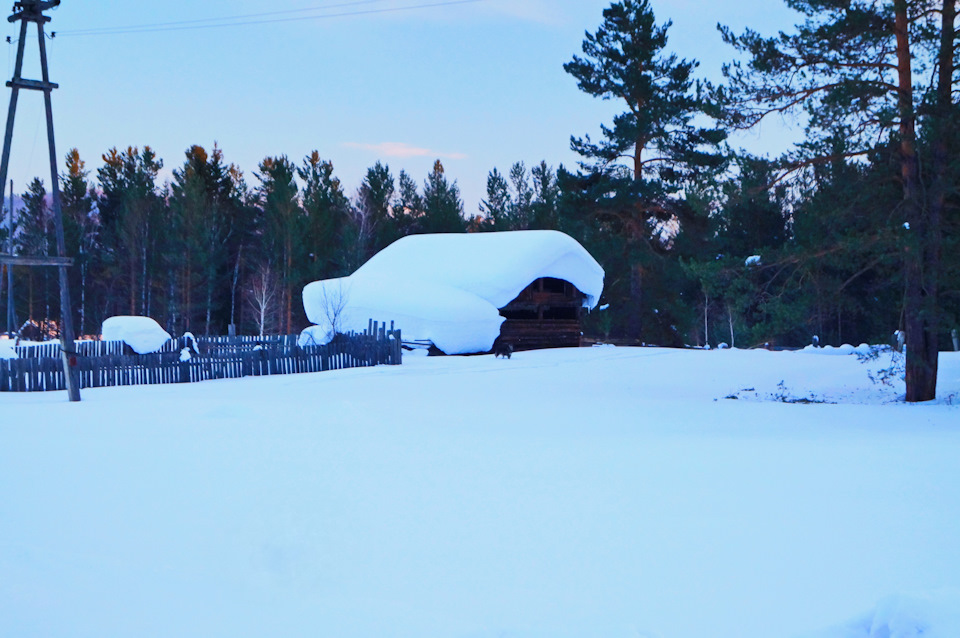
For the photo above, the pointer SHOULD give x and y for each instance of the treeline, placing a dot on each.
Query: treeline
(209, 249)
(849, 236)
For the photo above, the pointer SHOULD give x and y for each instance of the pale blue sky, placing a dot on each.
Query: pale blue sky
(478, 84)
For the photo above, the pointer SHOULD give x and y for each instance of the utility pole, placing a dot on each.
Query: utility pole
(11, 314)
(25, 12)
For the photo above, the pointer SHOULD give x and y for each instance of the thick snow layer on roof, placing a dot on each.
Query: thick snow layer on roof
(142, 334)
(494, 266)
(448, 288)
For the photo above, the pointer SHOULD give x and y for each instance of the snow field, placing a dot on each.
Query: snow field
(594, 492)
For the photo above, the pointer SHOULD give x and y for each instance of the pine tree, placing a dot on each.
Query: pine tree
(442, 207)
(131, 212)
(281, 227)
(543, 208)
(753, 217)
(854, 67)
(35, 238)
(625, 60)
(205, 207)
(495, 209)
(81, 229)
(326, 214)
(408, 209)
(632, 212)
(521, 196)
(374, 218)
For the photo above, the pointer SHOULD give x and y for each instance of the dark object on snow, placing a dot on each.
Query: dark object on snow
(502, 349)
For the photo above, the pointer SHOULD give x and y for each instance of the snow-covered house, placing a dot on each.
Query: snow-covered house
(461, 292)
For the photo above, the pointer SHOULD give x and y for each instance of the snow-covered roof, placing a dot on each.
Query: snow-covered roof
(494, 266)
(142, 334)
(448, 288)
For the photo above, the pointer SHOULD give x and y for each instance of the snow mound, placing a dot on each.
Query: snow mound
(453, 320)
(142, 334)
(315, 336)
(845, 349)
(448, 288)
(927, 615)
(7, 350)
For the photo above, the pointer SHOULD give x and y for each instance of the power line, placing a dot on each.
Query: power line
(207, 21)
(238, 21)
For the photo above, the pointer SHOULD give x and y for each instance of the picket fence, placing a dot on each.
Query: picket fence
(108, 363)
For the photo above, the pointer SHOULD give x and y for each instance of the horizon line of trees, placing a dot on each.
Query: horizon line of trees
(849, 236)
(207, 249)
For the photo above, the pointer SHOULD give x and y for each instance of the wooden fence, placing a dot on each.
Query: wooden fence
(105, 363)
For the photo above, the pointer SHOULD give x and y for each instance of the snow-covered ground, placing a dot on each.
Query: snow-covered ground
(605, 492)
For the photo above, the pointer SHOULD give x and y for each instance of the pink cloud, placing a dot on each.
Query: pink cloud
(399, 149)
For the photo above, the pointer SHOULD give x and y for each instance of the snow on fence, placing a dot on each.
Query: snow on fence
(105, 363)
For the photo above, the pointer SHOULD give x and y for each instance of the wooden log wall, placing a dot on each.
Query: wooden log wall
(105, 364)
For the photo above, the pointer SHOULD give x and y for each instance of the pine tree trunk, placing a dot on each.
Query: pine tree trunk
(144, 282)
(637, 161)
(634, 316)
(233, 288)
(83, 298)
(706, 320)
(288, 288)
(172, 302)
(733, 340)
(921, 308)
(187, 301)
(927, 255)
(206, 327)
(133, 282)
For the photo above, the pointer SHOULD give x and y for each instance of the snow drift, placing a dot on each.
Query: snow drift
(448, 288)
(7, 350)
(845, 349)
(934, 614)
(142, 334)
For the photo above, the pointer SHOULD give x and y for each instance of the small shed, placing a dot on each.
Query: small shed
(461, 292)
(546, 314)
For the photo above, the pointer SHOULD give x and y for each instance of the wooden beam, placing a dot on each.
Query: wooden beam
(21, 260)
(33, 85)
